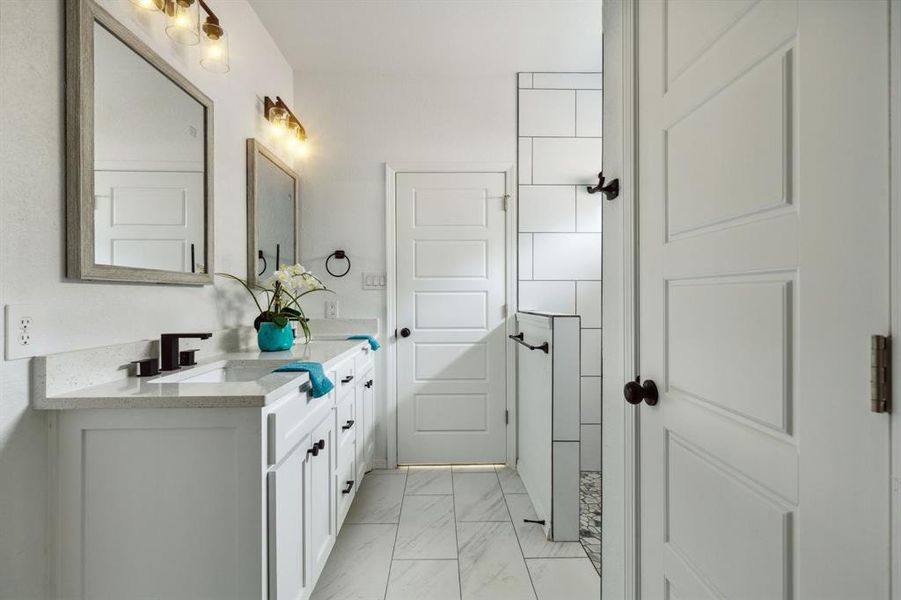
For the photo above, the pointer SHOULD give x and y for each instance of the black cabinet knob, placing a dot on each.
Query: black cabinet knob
(314, 450)
(405, 332)
(321, 444)
(634, 392)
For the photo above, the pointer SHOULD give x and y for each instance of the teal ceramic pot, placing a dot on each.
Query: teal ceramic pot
(272, 338)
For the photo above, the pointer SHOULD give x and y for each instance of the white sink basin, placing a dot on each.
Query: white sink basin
(219, 372)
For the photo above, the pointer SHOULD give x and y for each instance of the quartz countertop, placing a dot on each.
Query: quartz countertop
(161, 392)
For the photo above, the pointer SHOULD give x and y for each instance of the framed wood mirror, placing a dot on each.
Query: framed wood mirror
(273, 213)
(139, 170)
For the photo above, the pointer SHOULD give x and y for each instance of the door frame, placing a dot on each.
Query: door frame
(392, 169)
(895, 291)
(620, 544)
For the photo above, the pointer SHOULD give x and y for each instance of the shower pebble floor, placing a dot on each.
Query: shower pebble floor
(590, 516)
(451, 533)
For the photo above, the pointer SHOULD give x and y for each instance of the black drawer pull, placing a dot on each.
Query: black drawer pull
(320, 445)
(347, 379)
(368, 384)
(348, 425)
(350, 486)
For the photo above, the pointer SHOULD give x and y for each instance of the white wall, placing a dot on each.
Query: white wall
(32, 236)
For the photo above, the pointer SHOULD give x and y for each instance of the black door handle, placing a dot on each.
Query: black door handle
(348, 425)
(347, 379)
(350, 486)
(405, 332)
(635, 392)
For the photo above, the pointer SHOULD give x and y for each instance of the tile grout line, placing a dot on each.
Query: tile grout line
(516, 535)
(396, 530)
(456, 536)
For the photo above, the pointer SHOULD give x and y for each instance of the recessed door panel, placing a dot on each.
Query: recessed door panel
(451, 310)
(451, 258)
(461, 207)
(451, 412)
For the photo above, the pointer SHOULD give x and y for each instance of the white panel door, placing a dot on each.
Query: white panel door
(450, 300)
(149, 219)
(763, 473)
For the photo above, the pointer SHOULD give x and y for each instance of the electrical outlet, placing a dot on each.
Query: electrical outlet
(25, 335)
(331, 309)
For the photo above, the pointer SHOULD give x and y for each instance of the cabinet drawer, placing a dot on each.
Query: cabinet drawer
(344, 378)
(291, 419)
(346, 420)
(363, 360)
(346, 486)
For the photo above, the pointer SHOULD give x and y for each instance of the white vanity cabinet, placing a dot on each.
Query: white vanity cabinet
(226, 502)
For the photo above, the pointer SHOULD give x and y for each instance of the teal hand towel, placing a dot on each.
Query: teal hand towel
(321, 384)
(373, 343)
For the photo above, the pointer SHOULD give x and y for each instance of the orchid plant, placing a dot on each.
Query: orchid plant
(282, 292)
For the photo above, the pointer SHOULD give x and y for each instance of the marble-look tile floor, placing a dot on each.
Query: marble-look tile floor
(450, 533)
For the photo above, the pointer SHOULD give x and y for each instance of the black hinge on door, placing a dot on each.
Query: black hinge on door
(880, 374)
(507, 417)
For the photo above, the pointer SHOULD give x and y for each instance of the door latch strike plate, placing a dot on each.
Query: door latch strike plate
(880, 373)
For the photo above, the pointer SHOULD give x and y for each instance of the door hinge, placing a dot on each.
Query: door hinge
(504, 310)
(880, 373)
(507, 417)
(506, 202)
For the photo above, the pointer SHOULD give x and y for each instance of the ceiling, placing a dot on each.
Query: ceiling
(429, 37)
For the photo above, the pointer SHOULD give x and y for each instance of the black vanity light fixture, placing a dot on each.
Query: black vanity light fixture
(183, 26)
(285, 126)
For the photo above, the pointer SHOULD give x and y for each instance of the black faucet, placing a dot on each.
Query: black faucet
(169, 348)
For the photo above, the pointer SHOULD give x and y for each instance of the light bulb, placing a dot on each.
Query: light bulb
(151, 5)
(278, 119)
(302, 148)
(214, 52)
(183, 21)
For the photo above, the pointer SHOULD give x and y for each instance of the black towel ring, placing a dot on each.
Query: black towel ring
(340, 255)
(265, 264)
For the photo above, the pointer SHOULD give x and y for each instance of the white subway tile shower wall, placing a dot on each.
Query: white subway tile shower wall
(560, 129)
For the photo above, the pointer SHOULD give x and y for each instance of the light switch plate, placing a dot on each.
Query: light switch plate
(374, 281)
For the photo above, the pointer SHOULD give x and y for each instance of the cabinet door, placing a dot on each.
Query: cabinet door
(369, 417)
(362, 464)
(321, 519)
(288, 571)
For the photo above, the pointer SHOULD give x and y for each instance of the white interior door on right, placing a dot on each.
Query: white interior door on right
(763, 206)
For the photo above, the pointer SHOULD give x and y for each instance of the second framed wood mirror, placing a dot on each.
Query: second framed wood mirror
(273, 213)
